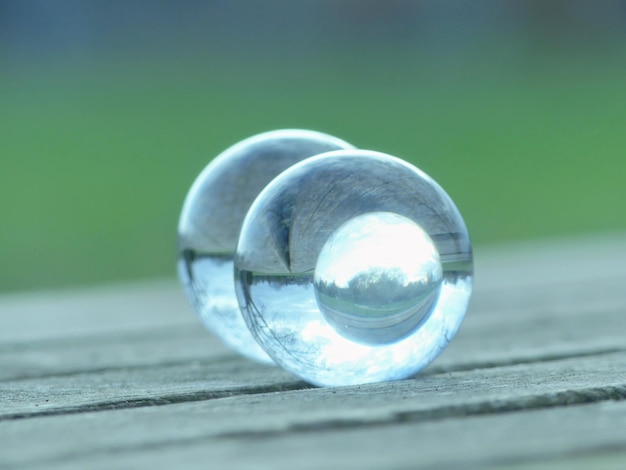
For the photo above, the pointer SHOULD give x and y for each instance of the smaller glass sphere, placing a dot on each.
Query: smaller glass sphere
(211, 219)
(377, 277)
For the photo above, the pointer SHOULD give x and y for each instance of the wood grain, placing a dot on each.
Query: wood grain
(125, 377)
(310, 413)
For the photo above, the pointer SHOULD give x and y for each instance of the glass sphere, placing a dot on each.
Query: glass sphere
(353, 267)
(211, 219)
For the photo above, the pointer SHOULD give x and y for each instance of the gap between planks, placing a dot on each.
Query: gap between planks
(326, 414)
(567, 387)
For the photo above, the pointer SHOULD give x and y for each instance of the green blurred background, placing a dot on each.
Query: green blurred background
(109, 110)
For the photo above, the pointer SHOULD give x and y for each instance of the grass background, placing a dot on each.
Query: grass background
(96, 156)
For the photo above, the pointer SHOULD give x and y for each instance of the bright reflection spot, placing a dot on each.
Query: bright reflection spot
(377, 277)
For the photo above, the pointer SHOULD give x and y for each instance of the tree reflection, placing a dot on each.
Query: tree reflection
(379, 288)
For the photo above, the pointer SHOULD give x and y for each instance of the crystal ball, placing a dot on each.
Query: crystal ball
(211, 219)
(353, 267)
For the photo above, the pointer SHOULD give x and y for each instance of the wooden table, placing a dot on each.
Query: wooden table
(125, 377)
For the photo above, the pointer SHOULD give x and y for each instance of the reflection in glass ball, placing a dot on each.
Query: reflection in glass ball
(377, 276)
(352, 267)
(211, 219)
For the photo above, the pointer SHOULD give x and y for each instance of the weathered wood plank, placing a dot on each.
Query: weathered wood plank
(512, 276)
(490, 335)
(574, 437)
(244, 418)
(526, 318)
(209, 376)
(100, 328)
(81, 375)
(142, 386)
(162, 346)
(115, 309)
(495, 332)
(557, 261)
